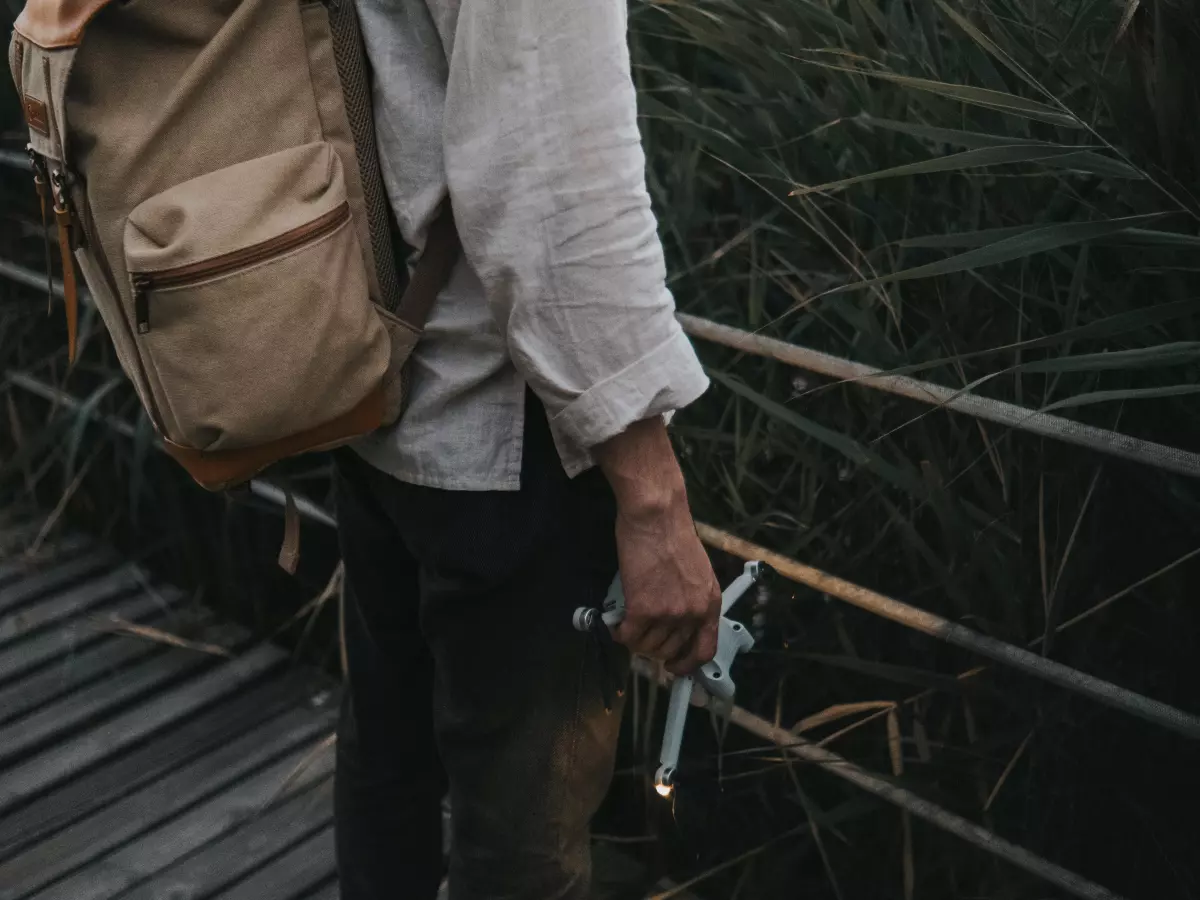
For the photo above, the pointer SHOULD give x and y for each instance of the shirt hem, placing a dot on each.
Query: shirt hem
(507, 483)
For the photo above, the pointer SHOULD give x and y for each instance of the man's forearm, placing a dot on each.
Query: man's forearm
(641, 466)
(672, 601)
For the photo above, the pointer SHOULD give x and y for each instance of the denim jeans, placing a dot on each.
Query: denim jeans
(465, 675)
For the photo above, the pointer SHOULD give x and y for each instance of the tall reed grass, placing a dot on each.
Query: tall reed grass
(997, 195)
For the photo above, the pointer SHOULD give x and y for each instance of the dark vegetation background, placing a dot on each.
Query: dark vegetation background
(804, 155)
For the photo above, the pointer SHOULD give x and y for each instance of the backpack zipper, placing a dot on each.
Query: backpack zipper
(226, 263)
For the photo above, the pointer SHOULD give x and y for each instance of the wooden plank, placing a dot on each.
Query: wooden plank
(140, 859)
(60, 606)
(82, 662)
(54, 576)
(43, 649)
(24, 782)
(76, 669)
(214, 727)
(292, 875)
(142, 810)
(242, 852)
(62, 719)
(21, 566)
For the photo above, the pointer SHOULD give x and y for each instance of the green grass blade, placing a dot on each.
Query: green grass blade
(1131, 8)
(1136, 236)
(1011, 154)
(1037, 240)
(1164, 355)
(848, 447)
(862, 27)
(1160, 238)
(966, 238)
(84, 417)
(976, 96)
(1087, 161)
(1174, 390)
(940, 135)
(988, 45)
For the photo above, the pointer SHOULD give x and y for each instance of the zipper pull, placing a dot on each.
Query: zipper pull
(141, 302)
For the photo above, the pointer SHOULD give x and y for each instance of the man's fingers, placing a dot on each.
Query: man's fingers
(699, 651)
(632, 633)
(676, 626)
(679, 670)
(688, 661)
(655, 638)
(706, 643)
(678, 644)
(664, 639)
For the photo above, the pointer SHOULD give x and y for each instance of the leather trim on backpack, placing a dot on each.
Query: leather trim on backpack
(54, 24)
(221, 469)
(37, 115)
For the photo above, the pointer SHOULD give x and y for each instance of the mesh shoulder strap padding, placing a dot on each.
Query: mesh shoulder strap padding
(352, 70)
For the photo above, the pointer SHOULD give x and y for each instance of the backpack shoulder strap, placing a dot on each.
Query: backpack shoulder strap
(433, 270)
(53, 24)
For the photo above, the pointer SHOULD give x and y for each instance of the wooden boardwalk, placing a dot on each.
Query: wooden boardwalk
(137, 770)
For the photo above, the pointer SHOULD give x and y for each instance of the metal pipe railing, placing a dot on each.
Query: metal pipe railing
(1102, 440)
(1113, 443)
(1122, 446)
(1019, 658)
(14, 159)
(878, 786)
(260, 488)
(30, 278)
(785, 740)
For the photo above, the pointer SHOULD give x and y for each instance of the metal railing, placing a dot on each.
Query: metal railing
(873, 602)
(1113, 443)
(783, 739)
(1031, 664)
(878, 604)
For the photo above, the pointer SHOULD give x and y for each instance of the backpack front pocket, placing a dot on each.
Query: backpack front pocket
(250, 303)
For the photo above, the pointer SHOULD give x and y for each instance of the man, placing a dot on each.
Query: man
(531, 461)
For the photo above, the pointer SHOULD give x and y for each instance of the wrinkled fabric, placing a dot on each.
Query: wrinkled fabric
(465, 672)
(524, 111)
(178, 144)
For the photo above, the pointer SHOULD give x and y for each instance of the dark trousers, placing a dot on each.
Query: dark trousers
(465, 674)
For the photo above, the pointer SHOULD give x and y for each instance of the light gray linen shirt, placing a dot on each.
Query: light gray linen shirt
(524, 110)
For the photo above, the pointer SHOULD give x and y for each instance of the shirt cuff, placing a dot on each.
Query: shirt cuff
(666, 379)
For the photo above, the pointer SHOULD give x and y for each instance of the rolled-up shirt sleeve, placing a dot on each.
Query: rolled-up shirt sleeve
(546, 172)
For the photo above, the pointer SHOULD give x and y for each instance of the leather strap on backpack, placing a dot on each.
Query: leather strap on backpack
(433, 270)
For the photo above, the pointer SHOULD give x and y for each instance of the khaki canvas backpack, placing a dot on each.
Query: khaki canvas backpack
(211, 165)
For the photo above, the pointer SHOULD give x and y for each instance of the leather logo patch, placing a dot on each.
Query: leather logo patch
(36, 115)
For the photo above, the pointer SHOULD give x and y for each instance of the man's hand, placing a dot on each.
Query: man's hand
(672, 599)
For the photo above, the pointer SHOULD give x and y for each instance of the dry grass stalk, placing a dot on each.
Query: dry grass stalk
(117, 625)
